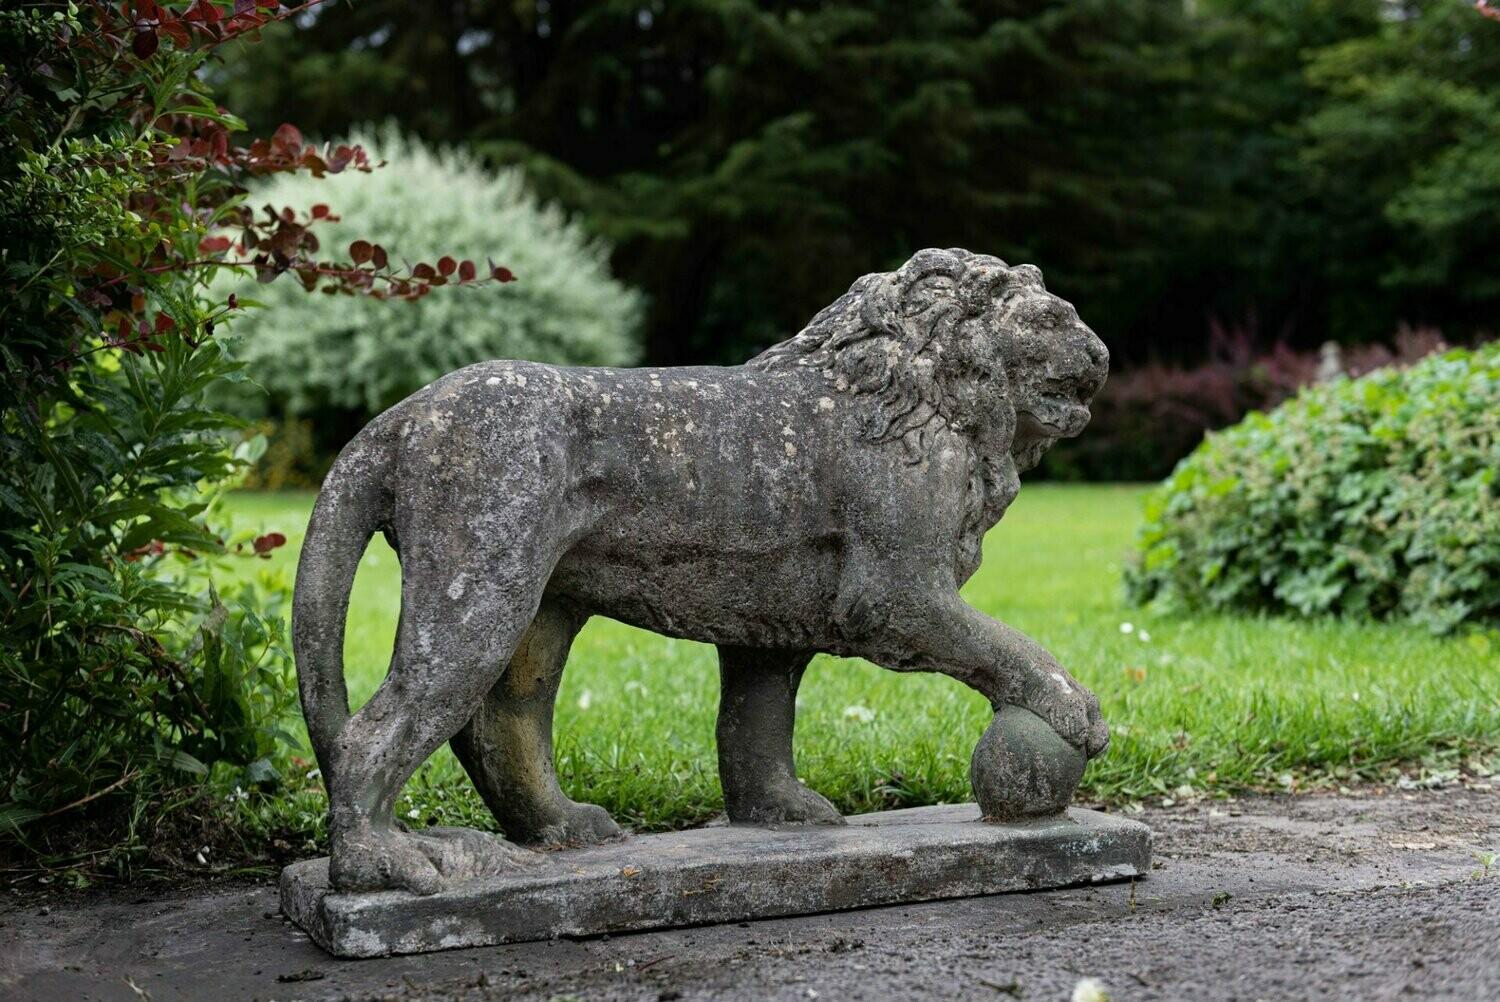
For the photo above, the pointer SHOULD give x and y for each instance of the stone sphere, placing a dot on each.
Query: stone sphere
(1022, 768)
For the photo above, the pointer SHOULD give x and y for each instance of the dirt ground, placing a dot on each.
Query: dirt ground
(1379, 895)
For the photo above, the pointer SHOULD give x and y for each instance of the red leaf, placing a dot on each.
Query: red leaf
(380, 258)
(361, 251)
(446, 266)
(144, 43)
(320, 211)
(500, 273)
(423, 271)
(214, 245)
(201, 11)
(151, 549)
(288, 135)
(173, 29)
(466, 271)
(269, 542)
(163, 323)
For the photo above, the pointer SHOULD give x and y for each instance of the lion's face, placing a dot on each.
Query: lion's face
(1055, 365)
(959, 341)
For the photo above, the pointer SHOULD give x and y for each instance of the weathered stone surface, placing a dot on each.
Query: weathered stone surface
(830, 495)
(724, 874)
(1022, 769)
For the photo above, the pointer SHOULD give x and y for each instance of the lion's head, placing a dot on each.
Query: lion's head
(957, 340)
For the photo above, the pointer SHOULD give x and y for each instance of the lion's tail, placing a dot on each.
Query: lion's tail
(353, 503)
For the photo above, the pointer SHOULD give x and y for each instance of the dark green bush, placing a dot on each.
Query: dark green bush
(124, 674)
(1369, 497)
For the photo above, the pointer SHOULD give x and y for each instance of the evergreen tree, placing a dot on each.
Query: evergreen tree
(1314, 167)
(749, 160)
(1402, 153)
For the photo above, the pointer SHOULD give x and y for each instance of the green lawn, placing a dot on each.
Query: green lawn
(1218, 704)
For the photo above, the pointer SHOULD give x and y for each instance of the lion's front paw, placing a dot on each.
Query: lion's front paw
(1068, 708)
(783, 803)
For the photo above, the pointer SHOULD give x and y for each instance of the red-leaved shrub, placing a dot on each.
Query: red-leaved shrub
(1149, 417)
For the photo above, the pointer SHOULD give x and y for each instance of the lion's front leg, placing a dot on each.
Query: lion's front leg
(936, 630)
(757, 713)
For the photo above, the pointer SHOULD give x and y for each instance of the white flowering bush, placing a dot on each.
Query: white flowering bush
(353, 354)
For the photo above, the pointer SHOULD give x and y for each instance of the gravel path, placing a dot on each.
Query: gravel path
(1376, 896)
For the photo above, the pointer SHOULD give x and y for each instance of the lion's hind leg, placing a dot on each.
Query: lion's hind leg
(757, 713)
(507, 746)
(466, 601)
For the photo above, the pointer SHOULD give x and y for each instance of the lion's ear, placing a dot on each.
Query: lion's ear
(930, 277)
(1024, 276)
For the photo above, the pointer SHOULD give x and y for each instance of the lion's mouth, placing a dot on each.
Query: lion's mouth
(1037, 426)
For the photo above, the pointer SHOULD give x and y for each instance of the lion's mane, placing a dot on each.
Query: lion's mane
(899, 337)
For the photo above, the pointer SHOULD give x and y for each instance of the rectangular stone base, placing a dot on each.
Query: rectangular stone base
(725, 874)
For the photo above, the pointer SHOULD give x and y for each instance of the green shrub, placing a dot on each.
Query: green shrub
(319, 353)
(1369, 497)
(124, 675)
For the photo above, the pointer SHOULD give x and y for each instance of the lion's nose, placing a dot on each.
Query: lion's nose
(1094, 347)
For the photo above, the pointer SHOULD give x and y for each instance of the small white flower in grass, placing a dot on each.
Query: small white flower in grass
(314, 773)
(636, 687)
(1127, 627)
(1090, 990)
(414, 814)
(1354, 696)
(585, 700)
(1145, 636)
(861, 714)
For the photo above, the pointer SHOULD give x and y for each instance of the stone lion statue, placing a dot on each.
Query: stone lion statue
(829, 495)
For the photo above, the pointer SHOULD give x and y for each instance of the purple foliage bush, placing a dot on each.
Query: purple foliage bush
(1149, 417)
